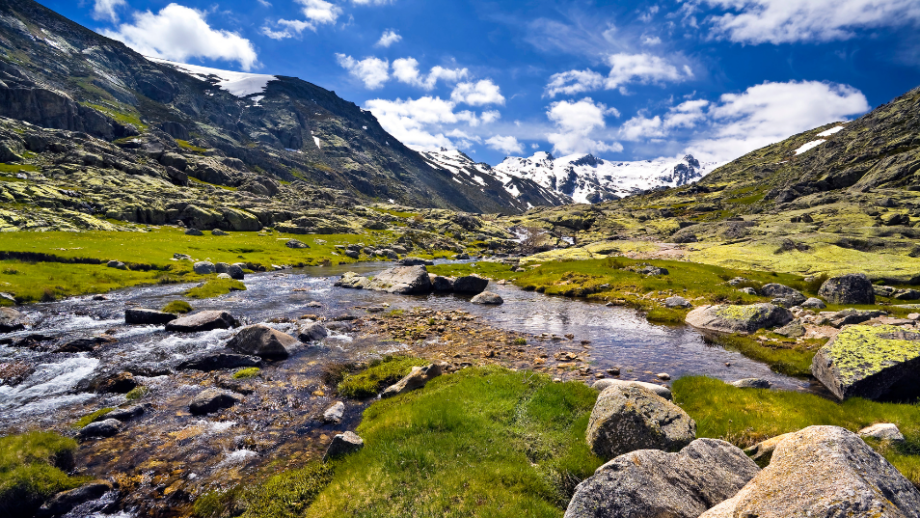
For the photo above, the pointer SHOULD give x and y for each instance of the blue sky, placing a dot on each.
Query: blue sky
(624, 80)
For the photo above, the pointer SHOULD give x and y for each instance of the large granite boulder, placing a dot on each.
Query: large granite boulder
(781, 291)
(870, 361)
(204, 268)
(659, 390)
(470, 284)
(138, 316)
(738, 319)
(263, 341)
(352, 280)
(202, 321)
(416, 379)
(654, 483)
(632, 418)
(404, 280)
(823, 472)
(854, 288)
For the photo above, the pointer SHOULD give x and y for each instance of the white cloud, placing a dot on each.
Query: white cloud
(105, 9)
(577, 122)
(686, 114)
(479, 93)
(462, 139)
(786, 21)
(490, 116)
(317, 12)
(428, 122)
(265, 3)
(406, 70)
(624, 69)
(178, 33)
(651, 40)
(373, 72)
(372, 2)
(535, 146)
(289, 29)
(640, 127)
(506, 145)
(388, 38)
(320, 11)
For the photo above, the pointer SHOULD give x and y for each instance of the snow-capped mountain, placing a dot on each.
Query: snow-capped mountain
(526, 192)
(588, 179)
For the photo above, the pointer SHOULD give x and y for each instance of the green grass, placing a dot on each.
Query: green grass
(184, 144)
(123, 114)
(394, 212)
(485, 441)
(215, 288)
(219, 186)
(497, 271)
(137, 393)
(177, 306)
(15, 168)
(92, 418)
(378, 376)
(783, 356)
(246, 373)
(666, 316)
(283, 495)
(747, 416)
(30, 471)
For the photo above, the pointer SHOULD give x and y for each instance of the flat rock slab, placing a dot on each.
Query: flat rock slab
(654, 483)
(738, 319)
(148, 317)
(218, 361)
(823, 472)
(263, 341)
(202, 321)
(869, 361)
(403, 280)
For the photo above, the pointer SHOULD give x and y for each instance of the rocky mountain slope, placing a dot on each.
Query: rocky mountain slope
(57, 74)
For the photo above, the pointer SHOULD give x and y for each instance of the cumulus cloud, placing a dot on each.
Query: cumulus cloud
(373, 72)
(685, 115)
(577, 122)
(428, 122)
(507, 145)
(105, 9)
(406, 70)
(480, 93)
(786, 21)
(317, 12)
(372, 2)
(388, 38)
(179, 33)
(490, 116)
(287, 29)
(624, 69)
(320, 11)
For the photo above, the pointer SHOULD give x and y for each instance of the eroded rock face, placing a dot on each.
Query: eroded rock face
(654, 483)
(632, 418)
(854, 288)
(202, 321)
(738, 319)
(823, 472)
(263, 341)
(416, 379)
(870, 362)
(404, 280)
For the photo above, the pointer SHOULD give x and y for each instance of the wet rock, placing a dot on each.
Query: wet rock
(118, 265)
(293, 243)
(791, 330)
(663, 376)
(352, 254)
(632, 418)
(127, 414)
(870, 362)
(63, 502)
(352, 280)
(441, 284)
(263, 341)
(792, 296)
(755, 383)
(823, 472)
(415, 261)
(120, 383)
(676, 302)
(84, 345)
(659, 390)
(343, 444)
(883, 432)
(813, 303)
(335, 413)
(416, 379)
(854, 288)
(653, 483)
(10, 320)
(312, 332)
(100, 429)
(202, 321)
(210, 401)
(218, 361)
(223, 276)
(139, 316)
(738, 319)
(204, 268)
(487, 298)
(470, 284)
(194, 232)
(404, 280)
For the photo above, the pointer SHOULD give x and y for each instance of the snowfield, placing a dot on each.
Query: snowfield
(240, 84)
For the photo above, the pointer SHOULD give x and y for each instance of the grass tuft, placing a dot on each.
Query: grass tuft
(380, 374)
(246, 373)
(666, 316)
(92, 418)
(137, 393)
(177, 306)
(787, 357)
(30, 471)
(215, 288)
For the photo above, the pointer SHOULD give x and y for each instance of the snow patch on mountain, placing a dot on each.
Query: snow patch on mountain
(240, 84)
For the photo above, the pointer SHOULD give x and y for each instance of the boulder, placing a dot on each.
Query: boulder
(470, 284)
(104, 428)
(792, 296)
(738, 319)
(210, 401)
(404, 280)
(654, 483)
(870, 362)
(416, 379)
(487, 298)
(10, 320)
(823, 472)
(263, 341)
(351, 254)
(120, 383)
(352, 280)
(813, 303)
(293, 243)
(755, 383)
(415, 261)
(343, 444)
(854, 288)
(63, 502)
(118, 265)
(676, 302)
(202, 321)
(204, 268)
(632, 418)
(335, 413)
(234, 271)
(312, 332)
(127, 414)
(141, 316)
(194, 232)
(659, 390)
(218, 361)
(882, 432)
(441, 284)
(174, 160)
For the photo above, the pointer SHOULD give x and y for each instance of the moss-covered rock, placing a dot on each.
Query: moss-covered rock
(738, 319)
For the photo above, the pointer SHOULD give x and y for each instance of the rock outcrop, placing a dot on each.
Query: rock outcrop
(738, 319)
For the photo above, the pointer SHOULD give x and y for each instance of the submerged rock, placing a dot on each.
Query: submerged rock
(738, 319)
(217, 361)
(202, 321)
(659, 390)
(148, 317)
(416, 379)
(653, 483)
(870, 362)
(63, 502)
(100, 429)
(313, 332)
(632, 418)
(487, 298)
(823, 472)
(353, 281)
(263, 341)
(210, 401)
(343, 444)
(854, 288)
(404, 280)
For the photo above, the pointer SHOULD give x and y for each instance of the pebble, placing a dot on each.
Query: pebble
(663, 376)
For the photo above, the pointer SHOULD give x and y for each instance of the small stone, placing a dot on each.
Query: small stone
(676, 302)
(99, 429)
(883, 432)
(343, 444)
(202, 321)
(756, 383)
(293, 243)
(210, 401)
(194, 232)
(416, 379)
(118, 265)
(663, 376)
(335, 413)
(487, 298)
